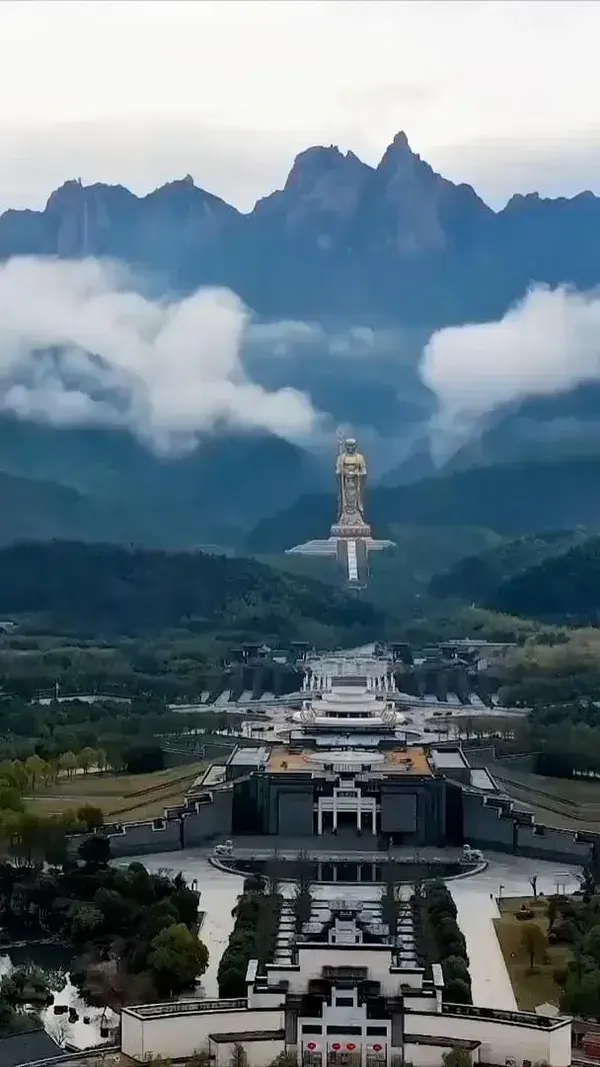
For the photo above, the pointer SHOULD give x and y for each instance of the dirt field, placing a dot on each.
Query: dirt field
(529, 989)
(125, 797)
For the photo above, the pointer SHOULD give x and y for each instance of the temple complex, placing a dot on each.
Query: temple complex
(348, 769)
(350, 540)
(346, 990)
(347, 986)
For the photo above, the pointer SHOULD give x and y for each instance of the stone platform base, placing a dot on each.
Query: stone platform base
(328, 546)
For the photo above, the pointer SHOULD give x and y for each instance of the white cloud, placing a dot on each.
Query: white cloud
(79, 344)
(545, 345)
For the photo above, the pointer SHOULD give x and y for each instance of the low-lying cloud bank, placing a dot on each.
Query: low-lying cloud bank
(80, 345)
(547, 344)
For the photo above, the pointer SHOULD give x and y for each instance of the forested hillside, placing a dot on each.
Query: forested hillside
(101, 589)
(564, 589)
(474, 579)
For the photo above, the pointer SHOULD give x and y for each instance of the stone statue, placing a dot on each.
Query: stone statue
(351, 471)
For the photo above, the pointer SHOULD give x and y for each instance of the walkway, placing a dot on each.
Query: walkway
(474, 896)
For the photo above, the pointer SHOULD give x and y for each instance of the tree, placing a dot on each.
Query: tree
(302, 900)
(238, 1056)
(144, 759)
(533, 941)
(27, 837)
(273, 876)
(581, 995)
(457, 1057)
(533, 883)
(302, 903)
(177, 958)
(587, 881)
(457, 991)
(456, 967)
(284, 1059)
(25, 985)
(232, 980)
(390, 900)
(35, 767)
(90, 816)
(68, 763)
(591, 944)
(202, 1059)
(95, 851)
(88, 757)
(86, 923)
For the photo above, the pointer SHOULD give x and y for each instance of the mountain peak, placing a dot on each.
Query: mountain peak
(398, 151)
(400, 141)
(68, 193)
(340, 237)
(309, 165)
(322, 181)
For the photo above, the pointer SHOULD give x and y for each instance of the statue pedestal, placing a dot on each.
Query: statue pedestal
(351, 530)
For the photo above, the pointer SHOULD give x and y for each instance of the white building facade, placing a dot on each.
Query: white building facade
(346, 995)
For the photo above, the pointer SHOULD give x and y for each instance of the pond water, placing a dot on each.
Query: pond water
(55, 961)
(349, 871)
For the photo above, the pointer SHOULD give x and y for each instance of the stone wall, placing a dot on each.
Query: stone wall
(210, 821)
(493, 823)
(284, 812)
(200, 824)
(488, 822)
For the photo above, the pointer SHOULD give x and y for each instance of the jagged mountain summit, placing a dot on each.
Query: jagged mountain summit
(397, 241)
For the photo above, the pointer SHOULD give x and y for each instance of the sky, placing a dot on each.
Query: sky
(503, 95)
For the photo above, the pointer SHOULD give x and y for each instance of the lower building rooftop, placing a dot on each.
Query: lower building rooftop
(412, 761)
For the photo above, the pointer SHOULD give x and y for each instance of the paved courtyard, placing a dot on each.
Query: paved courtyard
(475, 898)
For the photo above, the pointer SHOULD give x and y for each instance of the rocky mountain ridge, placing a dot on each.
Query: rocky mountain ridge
(397, 240)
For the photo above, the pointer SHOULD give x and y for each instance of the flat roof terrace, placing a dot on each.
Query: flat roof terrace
(400, 761)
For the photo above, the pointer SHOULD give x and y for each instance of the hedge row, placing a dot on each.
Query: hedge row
(254, 936)
(447, 944)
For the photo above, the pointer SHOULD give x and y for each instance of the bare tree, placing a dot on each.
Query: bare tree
(238, 1056)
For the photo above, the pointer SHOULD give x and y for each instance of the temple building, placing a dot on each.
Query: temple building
(344, 992)
(350, 540)
(348, 769)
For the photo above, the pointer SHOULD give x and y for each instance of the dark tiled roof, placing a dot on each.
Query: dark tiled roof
(27, 1047)
(247, 1035)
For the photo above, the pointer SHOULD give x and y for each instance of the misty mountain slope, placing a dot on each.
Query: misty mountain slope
(512, 499)
(177, 233)
(475, 579)
(31, 508)
(562, 589)
(367, 261)
(343, 238)
(210, 495)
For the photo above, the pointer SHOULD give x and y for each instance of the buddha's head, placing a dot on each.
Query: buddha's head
(350, 445)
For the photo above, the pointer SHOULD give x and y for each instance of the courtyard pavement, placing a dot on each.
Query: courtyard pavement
(475, 898)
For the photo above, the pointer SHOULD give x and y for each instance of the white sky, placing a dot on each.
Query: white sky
(504, 95)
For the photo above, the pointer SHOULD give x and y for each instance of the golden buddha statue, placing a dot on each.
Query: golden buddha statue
(351, 471)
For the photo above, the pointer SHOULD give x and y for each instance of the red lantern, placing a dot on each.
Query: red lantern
(336, 1046)
(311, 1046)
(377, 1048)
(350, 1047)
